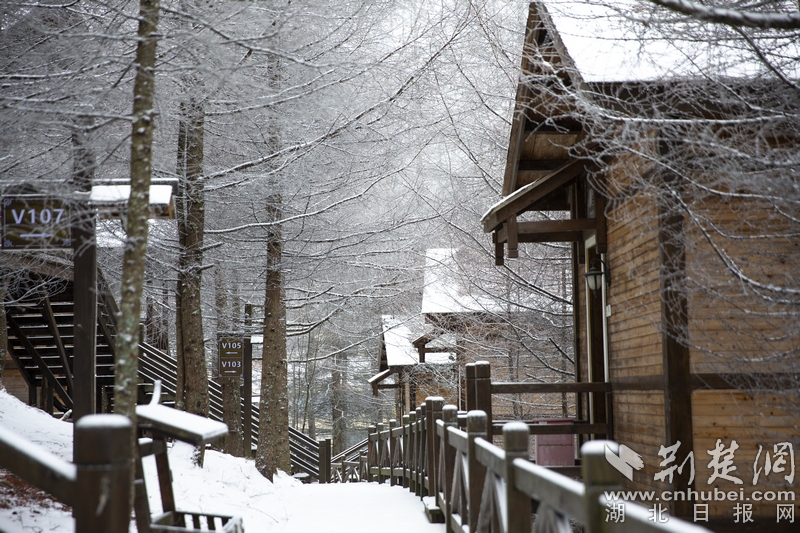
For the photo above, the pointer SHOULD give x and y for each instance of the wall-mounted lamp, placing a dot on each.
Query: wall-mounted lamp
(595, 274)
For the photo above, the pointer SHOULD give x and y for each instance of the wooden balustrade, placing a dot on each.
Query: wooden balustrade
(477, 487)
(480, 388)
(97, 486)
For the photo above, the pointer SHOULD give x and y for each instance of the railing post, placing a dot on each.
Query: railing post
(412, 452)
(483, 394)
(449, 416)
(324, 454)
(470, 371)
(392, 444)
(476, 427)
(516, 437)
(598, 476)
(328, 455)
(103, 455)
(381, 445)
(406, 453)
(372, 448)
(434, 408)
(421, 456)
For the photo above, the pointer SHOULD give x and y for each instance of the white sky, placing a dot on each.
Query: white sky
(611, 40)
(226, 485)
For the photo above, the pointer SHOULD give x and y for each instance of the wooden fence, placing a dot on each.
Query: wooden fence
(475, 487)
(98, 484)
(480, 389)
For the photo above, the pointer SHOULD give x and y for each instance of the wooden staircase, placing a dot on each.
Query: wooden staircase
(39, 314)
(40, 318)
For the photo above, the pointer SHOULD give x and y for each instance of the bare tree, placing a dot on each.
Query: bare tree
(138, 210)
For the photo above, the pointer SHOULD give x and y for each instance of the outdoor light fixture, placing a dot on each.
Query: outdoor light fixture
(595, 274)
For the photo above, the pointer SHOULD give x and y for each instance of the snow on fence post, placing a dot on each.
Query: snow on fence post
(516, 437)
(598, 476)
(476, 427)
(103, 454)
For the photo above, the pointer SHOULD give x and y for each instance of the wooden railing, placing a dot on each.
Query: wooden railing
(474, 486)
(97, 485)
(480, 389)
(305, 453)
(348, 466)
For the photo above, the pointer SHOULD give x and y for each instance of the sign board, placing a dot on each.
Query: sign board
(231, 357)
(35, 222)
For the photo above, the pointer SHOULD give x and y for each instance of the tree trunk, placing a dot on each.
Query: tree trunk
(273, 429)
(191, 221)
(127, 341)
(338, 401)
(231, 386)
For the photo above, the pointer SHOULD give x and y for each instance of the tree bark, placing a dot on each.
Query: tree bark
(273, 429)
(127, 341)
(231, 386)
(191, 221)
(338, 401)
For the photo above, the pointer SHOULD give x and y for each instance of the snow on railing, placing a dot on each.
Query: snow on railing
(474, 486)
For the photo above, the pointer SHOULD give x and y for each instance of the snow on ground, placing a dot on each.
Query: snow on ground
(225, 485)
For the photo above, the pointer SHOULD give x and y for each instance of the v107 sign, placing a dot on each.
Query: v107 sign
(231, 357)
(31, 222)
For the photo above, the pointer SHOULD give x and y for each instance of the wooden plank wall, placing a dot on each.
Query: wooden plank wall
(634, 329)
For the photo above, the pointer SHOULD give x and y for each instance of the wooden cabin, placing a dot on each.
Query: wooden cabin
(415, 375)
(614, 148)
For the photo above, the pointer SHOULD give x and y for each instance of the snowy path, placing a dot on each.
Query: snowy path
(354, 508)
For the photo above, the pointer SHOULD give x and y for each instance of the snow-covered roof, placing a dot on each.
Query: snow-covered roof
(118, 194)
(615, 40)
(397, 339)
(399, 334)
(444, 292)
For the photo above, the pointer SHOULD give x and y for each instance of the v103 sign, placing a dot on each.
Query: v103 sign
(231, 357)
(35, 222)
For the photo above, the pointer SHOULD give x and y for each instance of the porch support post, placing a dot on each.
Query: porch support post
(675, 326)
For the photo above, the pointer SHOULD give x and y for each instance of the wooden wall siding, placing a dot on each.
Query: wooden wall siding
(733, 329)
(752, 420)
(639, 424)
(634, 324)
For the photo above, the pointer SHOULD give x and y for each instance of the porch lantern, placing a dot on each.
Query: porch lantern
(594, 276)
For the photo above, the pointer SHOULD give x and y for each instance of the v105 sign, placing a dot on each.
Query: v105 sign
(231, 357)
(34, 222)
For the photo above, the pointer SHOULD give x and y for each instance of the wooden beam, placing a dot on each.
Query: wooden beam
(85, 313)
(518, 202)
(542, 388)
(549, 230)
(674, 324)
(45, 370)
(47, 311)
